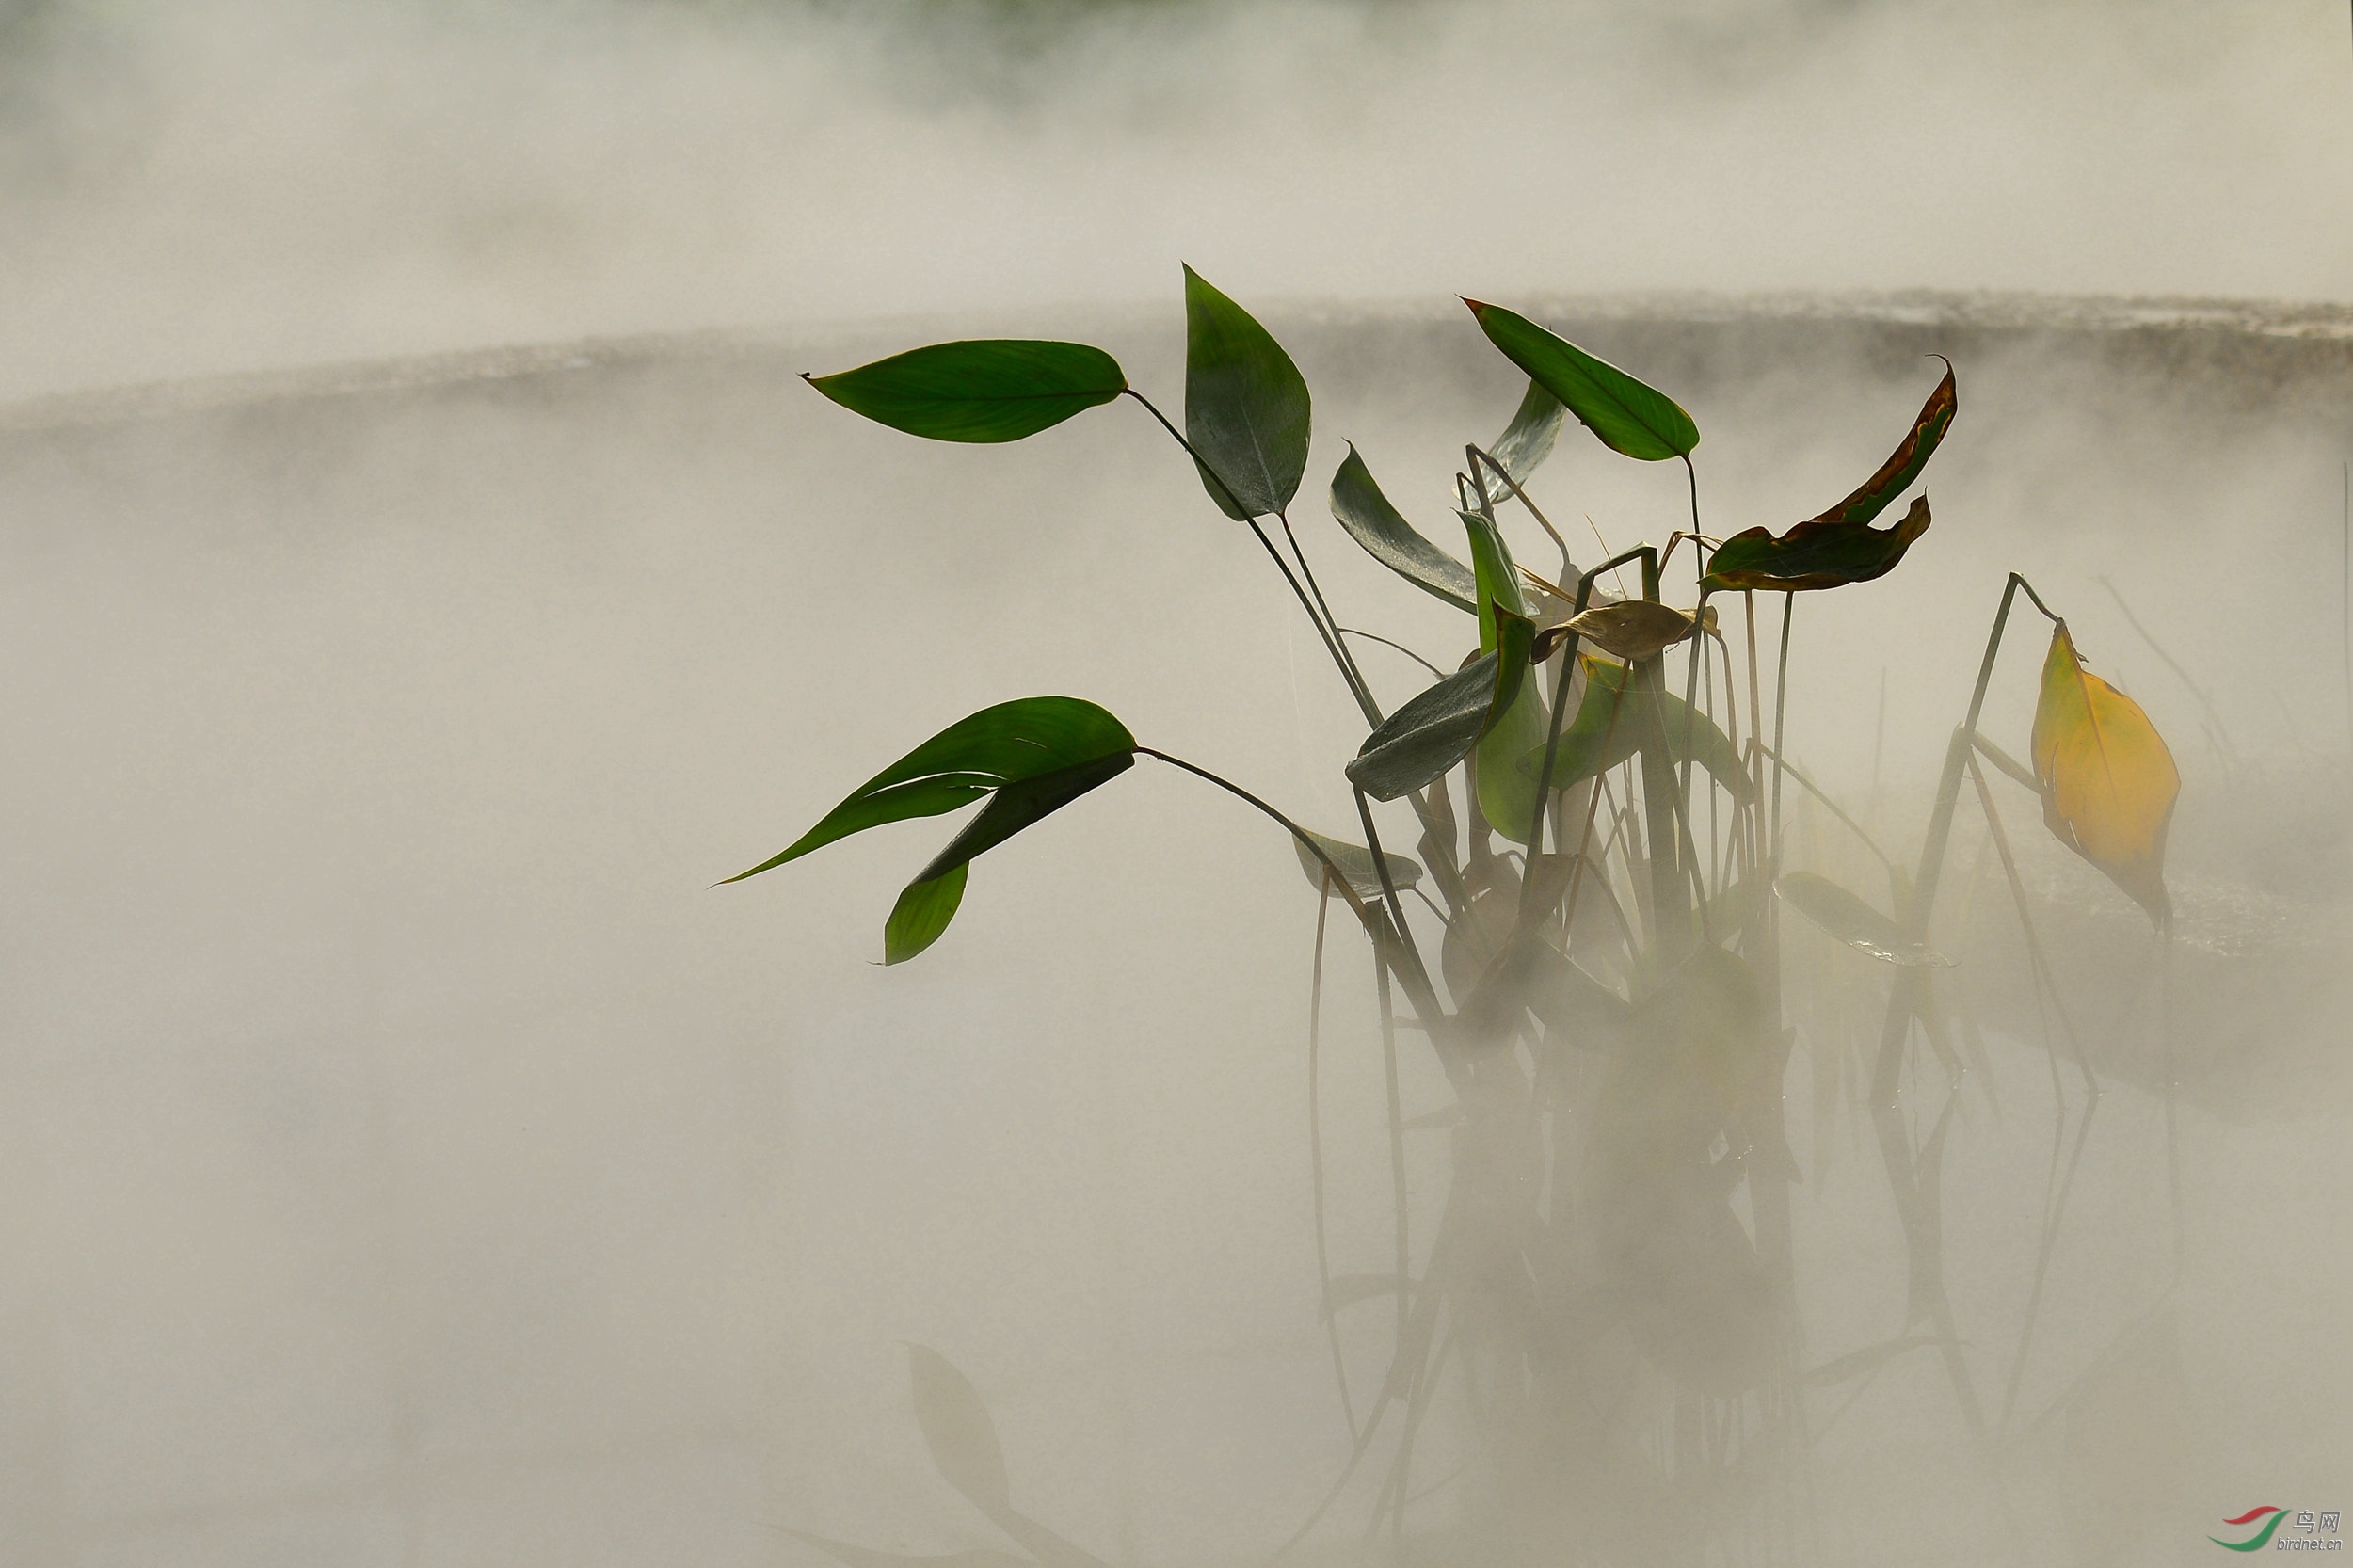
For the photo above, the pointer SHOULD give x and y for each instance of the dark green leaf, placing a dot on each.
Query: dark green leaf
(1438, 726)
(1519, 721)
(1245, 405)
(1021, 801)
(1814, 554)
(1356, 867)
(1591, 743)
(986, 390)
(1388, 539)
(1631, 418)
(995, 747)
(958, 1430)
(1854, 922)
(923, 912)
(1904, 464)
(1527, 440)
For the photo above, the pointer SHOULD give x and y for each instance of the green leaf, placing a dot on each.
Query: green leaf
(1527, 440)
(1356, 867)
(1593, 743)
(1031, 757)
(1388, 539)
(958, 1430)
(995, 747)
(1507, 798)
(1854, 922)
(1021, 801)
(983, 390)
(924, 908)
(1904, 464)
(1814, 554)
(1430, 733)
(1245, 405)
(1629, 417)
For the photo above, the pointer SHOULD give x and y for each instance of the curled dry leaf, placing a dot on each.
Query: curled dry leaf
(1818, 553)
(2107, 779)
(1633, 628)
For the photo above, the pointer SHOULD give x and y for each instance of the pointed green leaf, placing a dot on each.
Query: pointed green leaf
(1527, 440)
(1629, 417)
(985, 390)
(1850, 920)
(958, 1430)
(1245, 405)
(1356, 867)
(1388, 539)
(1430, 733)
(1031, 757)
(923, 912)
(1904, 464)
(1814, 554)
(1591, 743)
(995, 747)
(1021, 801)
(1507, 798)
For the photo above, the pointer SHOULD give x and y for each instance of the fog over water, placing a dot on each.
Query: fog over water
(407, 1158)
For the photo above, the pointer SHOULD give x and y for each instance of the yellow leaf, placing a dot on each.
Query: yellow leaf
(2108, 781)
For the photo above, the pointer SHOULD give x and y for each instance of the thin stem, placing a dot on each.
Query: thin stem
(1781, 697)
(2230, 752)
(1402, 1208)
(1388, 889)
(1478, 457)
(1330, 643)
(1371, 637)
(1559, 702)
(1417, 979)
(1315, 1158)
(1356, 676)
(1835, 810)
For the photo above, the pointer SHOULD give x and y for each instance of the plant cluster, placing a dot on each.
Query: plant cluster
(1594, 946)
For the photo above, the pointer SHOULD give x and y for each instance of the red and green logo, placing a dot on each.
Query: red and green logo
(2255, 1543)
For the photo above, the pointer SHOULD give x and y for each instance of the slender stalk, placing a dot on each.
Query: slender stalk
(1371, 637)
(1330, 643)
(2055, 1203)
(1835, 810)
(1781, 697)
(1387, 939)
(1559, 702)
(1396, 1144)
(1315, 1160)
(1478, 457)
(2230, 752)
(1356, 675)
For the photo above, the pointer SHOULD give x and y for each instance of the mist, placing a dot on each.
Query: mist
(426, 575)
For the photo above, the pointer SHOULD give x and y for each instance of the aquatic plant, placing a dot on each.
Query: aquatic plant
(1603, 864)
